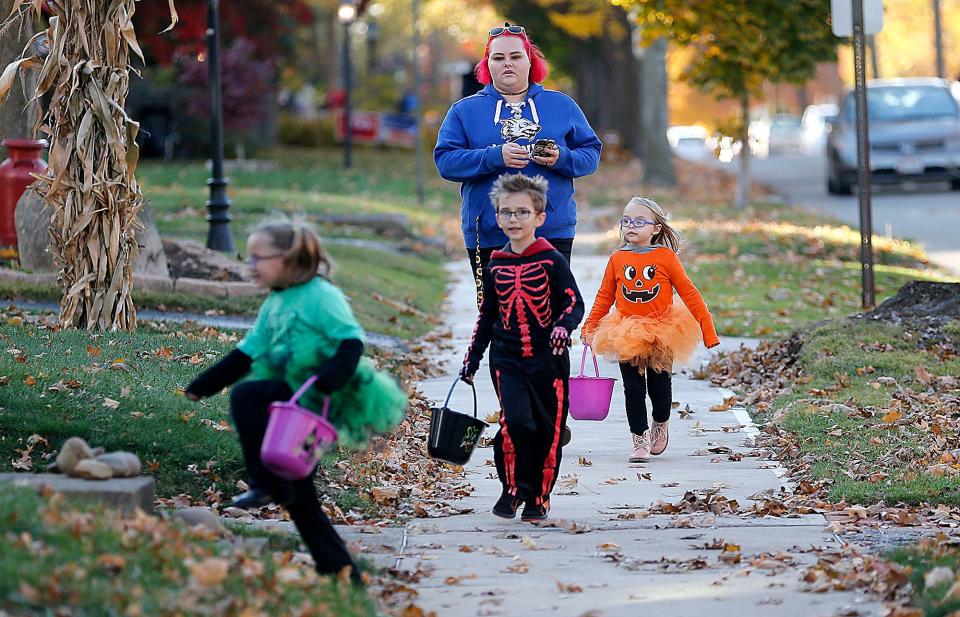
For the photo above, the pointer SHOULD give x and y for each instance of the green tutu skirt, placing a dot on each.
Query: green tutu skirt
(370, 403)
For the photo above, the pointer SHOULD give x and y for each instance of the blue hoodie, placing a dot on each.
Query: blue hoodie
(469, 151)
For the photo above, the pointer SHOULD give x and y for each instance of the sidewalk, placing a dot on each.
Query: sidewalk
(606, 555)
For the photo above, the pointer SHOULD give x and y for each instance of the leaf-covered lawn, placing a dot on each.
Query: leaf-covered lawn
(96, 563)
(120, 391)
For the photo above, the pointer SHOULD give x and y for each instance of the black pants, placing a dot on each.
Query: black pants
(563, 245)
(635, 388)
(527, 448)
(248, 406)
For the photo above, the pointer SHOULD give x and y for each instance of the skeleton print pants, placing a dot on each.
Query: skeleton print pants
(527, 449)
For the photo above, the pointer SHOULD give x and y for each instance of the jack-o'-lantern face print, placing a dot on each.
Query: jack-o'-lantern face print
(633, 289)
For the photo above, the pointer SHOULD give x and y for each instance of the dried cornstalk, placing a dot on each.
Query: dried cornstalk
(89, 185)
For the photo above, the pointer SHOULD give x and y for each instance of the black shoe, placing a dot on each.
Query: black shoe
(565, 438)
(533, 512)
(507, 505)
(254, 498)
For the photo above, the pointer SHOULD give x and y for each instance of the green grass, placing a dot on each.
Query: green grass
(769, 297)
(98, 564)
(417, 281)
(57, 385)
(311, 182)
(843, 358)
(923, 558)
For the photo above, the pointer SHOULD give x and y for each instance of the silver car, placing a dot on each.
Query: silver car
(914, 135)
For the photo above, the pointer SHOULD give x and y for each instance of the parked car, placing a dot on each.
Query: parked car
(690, 142)
(786, 134)
(816, 122)
(914, 129)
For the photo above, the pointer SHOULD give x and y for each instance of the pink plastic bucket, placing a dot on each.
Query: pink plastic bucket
(590, 396)
(296, 438)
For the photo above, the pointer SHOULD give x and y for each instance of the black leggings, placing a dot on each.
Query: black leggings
(564, 246)
(248, 406)
(635, 388)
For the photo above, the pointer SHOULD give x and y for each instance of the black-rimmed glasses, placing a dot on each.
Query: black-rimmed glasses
(506, 215)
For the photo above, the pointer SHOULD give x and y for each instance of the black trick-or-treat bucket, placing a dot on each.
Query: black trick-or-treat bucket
(454, 435)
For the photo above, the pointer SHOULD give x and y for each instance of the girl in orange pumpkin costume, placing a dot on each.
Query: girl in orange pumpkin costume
(646, 331)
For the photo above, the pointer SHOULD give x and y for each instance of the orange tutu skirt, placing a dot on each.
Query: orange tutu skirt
(647, 341)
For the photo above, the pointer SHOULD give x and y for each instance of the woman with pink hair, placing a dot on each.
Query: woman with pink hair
(514, 125)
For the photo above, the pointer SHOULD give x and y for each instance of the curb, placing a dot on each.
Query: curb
(143, 282)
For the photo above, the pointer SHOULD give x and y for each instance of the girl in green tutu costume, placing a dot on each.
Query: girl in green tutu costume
(305, 327)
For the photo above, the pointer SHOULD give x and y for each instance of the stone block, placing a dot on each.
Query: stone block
(125, 494)
(235, 290)
(32, 220)
(143, 282)
(199, 287)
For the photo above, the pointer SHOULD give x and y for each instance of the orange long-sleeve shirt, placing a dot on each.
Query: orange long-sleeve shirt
(641, 281)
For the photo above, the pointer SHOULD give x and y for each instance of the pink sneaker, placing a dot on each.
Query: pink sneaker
(641, 448)
(659, 437)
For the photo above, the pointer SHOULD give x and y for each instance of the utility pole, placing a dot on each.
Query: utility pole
(863, 158)
(938, 37)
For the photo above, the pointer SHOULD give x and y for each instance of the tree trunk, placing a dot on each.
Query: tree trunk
(17, 114)
(606, 73)
(743, 180)
(658, 158)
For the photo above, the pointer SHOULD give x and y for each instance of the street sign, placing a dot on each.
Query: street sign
(841, 17)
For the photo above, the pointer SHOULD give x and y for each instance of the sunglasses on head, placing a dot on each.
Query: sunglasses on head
(506, 28)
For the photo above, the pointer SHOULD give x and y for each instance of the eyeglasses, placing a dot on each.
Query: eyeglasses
(506, 215)
(253, 260)
(638, 222)
(506, 28)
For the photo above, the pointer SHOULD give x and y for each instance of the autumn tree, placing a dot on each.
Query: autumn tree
(740, 44)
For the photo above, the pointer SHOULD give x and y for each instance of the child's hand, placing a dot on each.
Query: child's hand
(466, 375)
(559, 340)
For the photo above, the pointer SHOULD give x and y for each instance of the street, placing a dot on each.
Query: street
(928, 214)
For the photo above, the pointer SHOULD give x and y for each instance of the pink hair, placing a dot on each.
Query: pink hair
(539, 68)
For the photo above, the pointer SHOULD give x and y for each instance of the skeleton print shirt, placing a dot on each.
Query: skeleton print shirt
(525, 297)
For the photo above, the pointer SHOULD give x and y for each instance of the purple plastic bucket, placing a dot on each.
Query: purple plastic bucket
(590, 396)
(296, 438)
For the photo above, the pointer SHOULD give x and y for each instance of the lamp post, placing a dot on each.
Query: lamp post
(346, 15)
(219, 237)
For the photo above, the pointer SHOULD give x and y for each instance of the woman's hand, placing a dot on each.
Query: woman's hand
(553, 155)
(515, 156)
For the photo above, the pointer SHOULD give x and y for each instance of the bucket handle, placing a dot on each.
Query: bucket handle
(446, 403)
(583, 359)
(306, 386)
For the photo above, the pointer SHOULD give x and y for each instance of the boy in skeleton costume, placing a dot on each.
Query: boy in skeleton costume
(530, 305)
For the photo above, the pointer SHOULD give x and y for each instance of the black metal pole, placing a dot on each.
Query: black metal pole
(863, 157)
(415, 68)
(347, 87)
(219, 237)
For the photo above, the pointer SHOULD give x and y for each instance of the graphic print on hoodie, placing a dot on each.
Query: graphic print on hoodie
(469, 151)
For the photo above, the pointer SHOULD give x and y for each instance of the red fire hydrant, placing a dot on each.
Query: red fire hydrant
(16, 174)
